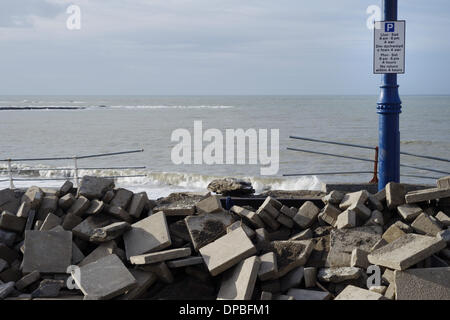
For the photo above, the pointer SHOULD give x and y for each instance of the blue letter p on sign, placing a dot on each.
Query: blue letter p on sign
(389, 27)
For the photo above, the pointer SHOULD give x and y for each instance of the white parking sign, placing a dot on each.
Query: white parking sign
(389, 47)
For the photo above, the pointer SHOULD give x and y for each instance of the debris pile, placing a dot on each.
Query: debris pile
(99, 242)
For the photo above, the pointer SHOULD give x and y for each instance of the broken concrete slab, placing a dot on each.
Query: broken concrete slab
(185, 262)
(342, 243)
(137, 205)
(10, 222)
(375, 203)
(395, 195)
(239, 283)
(109, 232)
(95, 187)
(329, 214)
(147, 235)
(425, 225)
(118, 213)
(206, 228)
(354, 293)
(406, 251)
(87, 227)
(290, 254)
(77, 254)
(71, 221)
(339, 274)
(306, 215)
(268, 268)
(409, 211)
(427, 195)
(248, 215)
(97, 284)
(47, 251)
(239, 224)
(160, 256)
(354, 199)
(423, 284)
(227, 251)
(302, 294)
(362, 212)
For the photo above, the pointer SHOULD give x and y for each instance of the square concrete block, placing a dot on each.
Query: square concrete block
(406, 251)
(395, 195)
(47, 251)
(206, 228)
(50, 222)
(227, 251)
(393, 233)
(11, 222)
(148, 235)
(209, 205)
(306, 215)
(269, 268)
(86, 228)
(137, 205)
(443, 219)
(423, 284)
(346, 220)
(105, 278)
(239, 283)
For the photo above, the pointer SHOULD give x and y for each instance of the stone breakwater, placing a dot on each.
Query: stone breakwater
(101, 242)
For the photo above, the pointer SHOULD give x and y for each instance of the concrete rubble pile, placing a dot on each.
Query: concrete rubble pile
(99, 242)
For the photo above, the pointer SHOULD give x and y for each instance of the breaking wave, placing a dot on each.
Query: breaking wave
(164, 182)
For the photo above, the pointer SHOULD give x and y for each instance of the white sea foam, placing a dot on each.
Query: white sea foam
(156, 184)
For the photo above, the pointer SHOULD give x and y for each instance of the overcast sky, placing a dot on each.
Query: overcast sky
(189, 47)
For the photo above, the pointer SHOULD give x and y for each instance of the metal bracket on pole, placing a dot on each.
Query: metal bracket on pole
(11, 183)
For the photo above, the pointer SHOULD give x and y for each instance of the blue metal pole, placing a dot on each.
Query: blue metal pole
(389, 109)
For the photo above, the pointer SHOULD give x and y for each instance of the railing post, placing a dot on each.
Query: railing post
(75, 169)
(11, 184)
